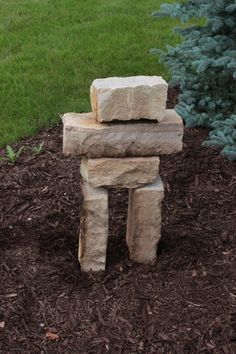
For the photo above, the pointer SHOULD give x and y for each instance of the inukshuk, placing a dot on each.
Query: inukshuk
(120, 143)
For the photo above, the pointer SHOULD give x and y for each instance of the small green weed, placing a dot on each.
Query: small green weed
(12, 155)
(36, 150)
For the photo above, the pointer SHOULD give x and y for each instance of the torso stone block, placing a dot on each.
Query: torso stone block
(83, 135)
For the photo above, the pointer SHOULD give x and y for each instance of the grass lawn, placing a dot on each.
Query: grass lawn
(51, 51)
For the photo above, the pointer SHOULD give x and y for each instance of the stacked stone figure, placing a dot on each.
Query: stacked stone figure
(120, 143)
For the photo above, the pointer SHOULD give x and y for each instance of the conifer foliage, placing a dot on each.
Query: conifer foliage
(204, 65)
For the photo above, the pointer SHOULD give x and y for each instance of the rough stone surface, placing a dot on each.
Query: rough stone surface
(84, 136)
(93, 229)
(128, 172)
(126, 98)
(144, 221)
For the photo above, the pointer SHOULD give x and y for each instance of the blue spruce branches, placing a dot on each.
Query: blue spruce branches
(204, 65)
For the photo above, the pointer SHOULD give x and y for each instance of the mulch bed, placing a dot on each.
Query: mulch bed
(185, 303)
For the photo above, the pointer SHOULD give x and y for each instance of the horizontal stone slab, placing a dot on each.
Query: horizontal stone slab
(82, 135)
(129, 98)
(128, 172)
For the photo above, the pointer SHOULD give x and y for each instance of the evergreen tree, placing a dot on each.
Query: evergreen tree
(204, 65)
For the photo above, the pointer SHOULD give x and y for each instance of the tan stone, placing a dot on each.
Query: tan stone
(93, 229)
(144, 221)
(84, 136)
(126, 98)
(128, 172)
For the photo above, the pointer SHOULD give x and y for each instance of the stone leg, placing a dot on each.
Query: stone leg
(93, 229)
(144, 221)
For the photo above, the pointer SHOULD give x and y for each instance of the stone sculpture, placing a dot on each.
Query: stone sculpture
(120, 143)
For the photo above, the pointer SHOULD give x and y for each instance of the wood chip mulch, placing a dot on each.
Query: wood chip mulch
(185, 303)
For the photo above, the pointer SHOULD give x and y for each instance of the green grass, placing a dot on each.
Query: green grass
(51, 51)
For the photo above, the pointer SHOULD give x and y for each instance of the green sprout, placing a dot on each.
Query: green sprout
(12, 155)
(36, 150)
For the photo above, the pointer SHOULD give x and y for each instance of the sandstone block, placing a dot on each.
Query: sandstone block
(93, 229)
(144, 221)
(126, 98)
(84, 136)
(128, 172)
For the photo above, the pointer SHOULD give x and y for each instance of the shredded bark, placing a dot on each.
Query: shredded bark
(185, 303)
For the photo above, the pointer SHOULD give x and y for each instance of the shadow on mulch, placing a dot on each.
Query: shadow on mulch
(185, 303)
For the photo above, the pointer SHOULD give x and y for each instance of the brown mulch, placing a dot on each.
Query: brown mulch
(185, 303)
